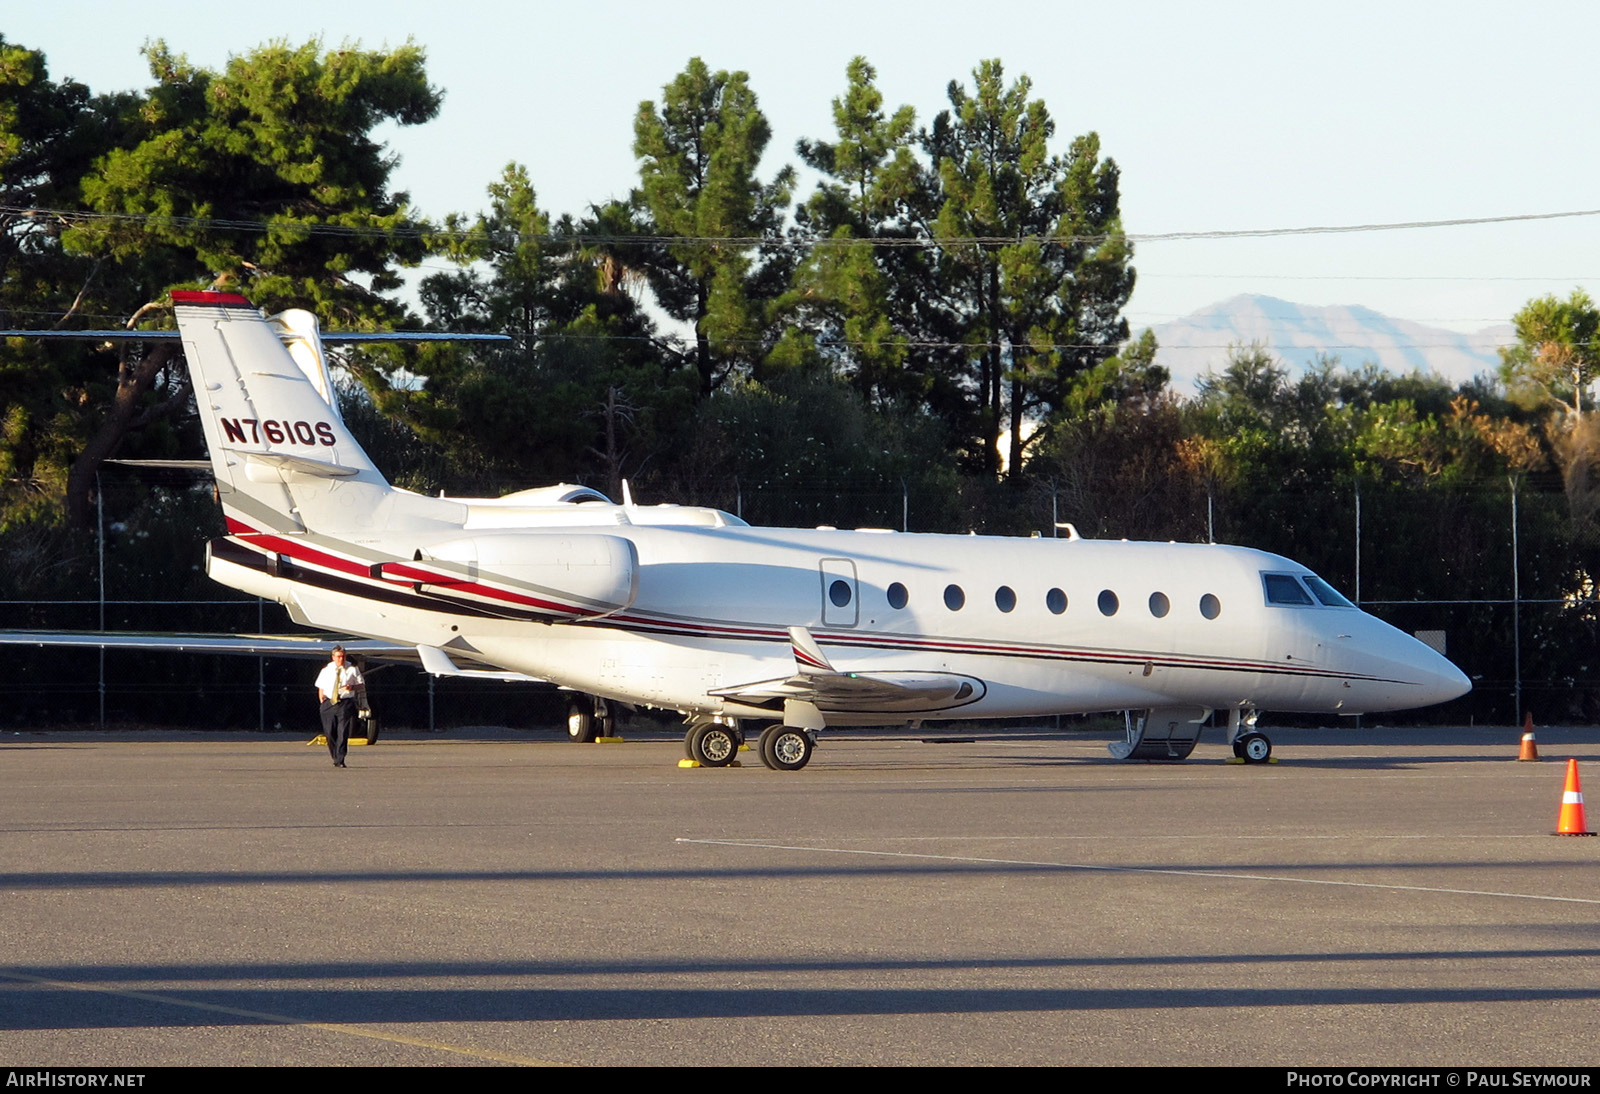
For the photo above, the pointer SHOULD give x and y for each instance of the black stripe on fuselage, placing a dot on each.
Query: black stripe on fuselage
(231, 550)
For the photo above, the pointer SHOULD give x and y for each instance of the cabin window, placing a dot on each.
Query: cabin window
(954, 598)
(1160, 605)
(1004, 598)
(1285, 592)
(1056, 601)
(897, 596)
(1327, 594)
(839, 593)
(1108, 602)
(1210, 606)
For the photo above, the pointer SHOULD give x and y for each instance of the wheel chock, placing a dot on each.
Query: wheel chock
(688, 763)
(321, 741)
(608, 740)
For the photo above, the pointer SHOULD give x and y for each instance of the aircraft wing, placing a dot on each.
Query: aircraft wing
(256, 645)
(317, 647)
(816, 681)
(329, 337)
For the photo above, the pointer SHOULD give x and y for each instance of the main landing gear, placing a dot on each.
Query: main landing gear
(713, 744)
(785, 748)
(781, 747)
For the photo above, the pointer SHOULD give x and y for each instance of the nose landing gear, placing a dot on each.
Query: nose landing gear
(1248, 744)
(1253, 748)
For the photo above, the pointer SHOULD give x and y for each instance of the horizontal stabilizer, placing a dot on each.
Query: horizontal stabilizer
(276, 462)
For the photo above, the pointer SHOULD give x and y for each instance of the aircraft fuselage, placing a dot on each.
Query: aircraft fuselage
(1046, 626)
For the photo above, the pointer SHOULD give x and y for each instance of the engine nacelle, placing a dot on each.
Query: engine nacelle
(526, 574)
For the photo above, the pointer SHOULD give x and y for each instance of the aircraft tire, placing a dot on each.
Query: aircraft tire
(714, 745)
(1253, 748)
(763, 748)
(580, 723)
(784, 748)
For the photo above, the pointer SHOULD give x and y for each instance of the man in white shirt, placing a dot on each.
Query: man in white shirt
(339, 686)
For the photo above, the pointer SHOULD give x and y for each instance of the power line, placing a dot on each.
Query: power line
(1339, 229)
(1144, 276)
(794, 240)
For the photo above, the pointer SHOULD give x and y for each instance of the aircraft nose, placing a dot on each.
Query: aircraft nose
(1402, 672)
(1439, 678)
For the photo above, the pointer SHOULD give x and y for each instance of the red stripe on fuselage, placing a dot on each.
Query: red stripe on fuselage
(304, 553)
(209, 299)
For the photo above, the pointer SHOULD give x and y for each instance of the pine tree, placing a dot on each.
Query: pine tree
(718, 265)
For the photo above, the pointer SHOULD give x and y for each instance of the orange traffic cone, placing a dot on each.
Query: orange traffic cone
(1571, 822)
(1530, 747)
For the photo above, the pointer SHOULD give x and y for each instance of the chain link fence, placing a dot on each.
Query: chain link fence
(1491, 569)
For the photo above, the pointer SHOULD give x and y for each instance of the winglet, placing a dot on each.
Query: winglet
(435, 662)
(808, 656)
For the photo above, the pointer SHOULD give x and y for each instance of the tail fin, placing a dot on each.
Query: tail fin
(283, 459)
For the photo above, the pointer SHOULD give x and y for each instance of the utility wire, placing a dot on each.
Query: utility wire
(71, 217)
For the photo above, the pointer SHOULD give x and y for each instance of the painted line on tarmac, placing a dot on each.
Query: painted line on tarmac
(279, 1019)
(1168, 872)
(1208, 836)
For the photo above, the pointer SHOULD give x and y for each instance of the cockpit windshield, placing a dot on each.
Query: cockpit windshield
(1326, 593)
(1301, 591)
(1285, 590)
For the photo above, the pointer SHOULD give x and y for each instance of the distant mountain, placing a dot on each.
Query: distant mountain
(1298, 332)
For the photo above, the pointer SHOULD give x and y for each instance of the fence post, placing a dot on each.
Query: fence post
(100, 548)
(1516, 605)
(261, 672)
(1358, 541)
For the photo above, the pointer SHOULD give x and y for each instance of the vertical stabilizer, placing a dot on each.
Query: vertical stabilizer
(283, 459)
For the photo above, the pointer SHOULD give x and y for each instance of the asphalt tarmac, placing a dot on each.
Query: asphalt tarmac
(1379, 897)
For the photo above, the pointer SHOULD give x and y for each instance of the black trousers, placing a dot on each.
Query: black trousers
(337, 721)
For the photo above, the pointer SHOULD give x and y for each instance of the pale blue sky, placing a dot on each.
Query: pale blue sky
(1227, 115)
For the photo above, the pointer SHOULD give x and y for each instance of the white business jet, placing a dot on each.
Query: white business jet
(795, 630)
